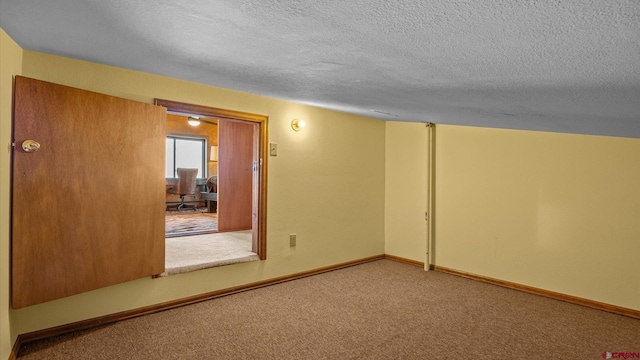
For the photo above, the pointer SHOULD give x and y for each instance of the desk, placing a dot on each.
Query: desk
(211, 200)
(171, 182)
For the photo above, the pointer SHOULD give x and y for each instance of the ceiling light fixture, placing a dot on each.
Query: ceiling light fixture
(193, 120)
(297, 124)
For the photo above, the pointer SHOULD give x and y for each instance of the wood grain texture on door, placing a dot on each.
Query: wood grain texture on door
(88, 206)
(237, 161)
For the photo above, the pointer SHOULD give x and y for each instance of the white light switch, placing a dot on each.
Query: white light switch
(273, 149)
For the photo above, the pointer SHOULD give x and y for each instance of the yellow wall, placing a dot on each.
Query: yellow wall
(10, 64)
(406, 190)
(554, 211)
(326, 185)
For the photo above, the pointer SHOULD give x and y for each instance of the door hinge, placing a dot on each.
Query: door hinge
(426, 216)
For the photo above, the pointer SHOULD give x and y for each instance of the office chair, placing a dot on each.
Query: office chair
(186, 184)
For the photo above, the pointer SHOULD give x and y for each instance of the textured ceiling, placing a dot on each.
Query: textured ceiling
(566, 66)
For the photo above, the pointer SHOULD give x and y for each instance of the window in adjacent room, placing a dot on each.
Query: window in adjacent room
(183, 152)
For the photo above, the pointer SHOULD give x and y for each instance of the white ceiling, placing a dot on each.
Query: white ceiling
(564, 65)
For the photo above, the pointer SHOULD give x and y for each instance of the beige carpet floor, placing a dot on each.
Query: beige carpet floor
(378, 310)
(190, 253)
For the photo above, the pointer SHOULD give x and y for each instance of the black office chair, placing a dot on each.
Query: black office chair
(186, 185)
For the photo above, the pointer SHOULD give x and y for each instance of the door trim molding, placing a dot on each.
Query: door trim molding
(208, 111)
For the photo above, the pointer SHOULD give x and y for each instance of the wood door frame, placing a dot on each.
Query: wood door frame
(263, 146)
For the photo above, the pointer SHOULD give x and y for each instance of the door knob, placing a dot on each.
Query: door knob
(30, 146)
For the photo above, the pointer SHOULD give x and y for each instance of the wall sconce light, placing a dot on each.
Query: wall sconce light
(193, 120)
(297, 124)
(213, 155)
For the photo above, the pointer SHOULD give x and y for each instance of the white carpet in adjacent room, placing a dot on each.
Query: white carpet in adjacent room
(190, 253)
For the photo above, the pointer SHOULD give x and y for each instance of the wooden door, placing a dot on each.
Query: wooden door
(88, 206)
(237, 160)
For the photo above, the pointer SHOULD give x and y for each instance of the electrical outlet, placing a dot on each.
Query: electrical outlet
(292, 240)
(273, 149)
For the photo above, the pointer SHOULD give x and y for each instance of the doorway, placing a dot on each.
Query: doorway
(191, 206)
(239, 171)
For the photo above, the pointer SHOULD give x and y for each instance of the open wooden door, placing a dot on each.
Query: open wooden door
(237, 163)
(88, 205)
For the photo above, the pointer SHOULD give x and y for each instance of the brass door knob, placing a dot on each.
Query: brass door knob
(30, 146)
